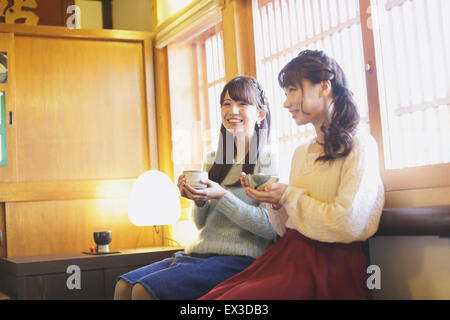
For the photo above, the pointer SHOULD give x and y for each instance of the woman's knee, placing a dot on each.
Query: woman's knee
(122, 290)
(140, 293)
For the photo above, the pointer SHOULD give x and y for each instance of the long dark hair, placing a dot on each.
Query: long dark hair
(317, 66)
(248, 90)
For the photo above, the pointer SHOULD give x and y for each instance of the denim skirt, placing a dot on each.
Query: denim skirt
(186, 277)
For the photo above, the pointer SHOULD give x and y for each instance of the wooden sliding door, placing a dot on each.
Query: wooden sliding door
(81, 109)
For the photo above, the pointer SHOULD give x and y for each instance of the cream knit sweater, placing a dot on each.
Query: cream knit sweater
(337, 201)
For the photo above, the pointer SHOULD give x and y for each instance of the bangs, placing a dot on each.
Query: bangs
(240, 90)
(289, 76)
(305, 66)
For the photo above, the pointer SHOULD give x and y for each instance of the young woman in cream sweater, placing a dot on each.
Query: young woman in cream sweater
(332, 203)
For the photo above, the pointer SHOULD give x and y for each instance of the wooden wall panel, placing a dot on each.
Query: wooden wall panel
(3, 229)
(81, 109)
(49, 227)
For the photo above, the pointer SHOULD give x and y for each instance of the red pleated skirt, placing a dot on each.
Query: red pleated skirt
(296, 267)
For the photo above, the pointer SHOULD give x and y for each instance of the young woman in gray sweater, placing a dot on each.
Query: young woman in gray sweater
(233, 229)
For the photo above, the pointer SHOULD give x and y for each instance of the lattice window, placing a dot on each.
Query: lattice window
(412, 51)
(215, 72)
(410, 43)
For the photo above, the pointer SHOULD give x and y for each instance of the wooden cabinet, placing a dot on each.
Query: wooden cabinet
(83, 129)
(45, 277)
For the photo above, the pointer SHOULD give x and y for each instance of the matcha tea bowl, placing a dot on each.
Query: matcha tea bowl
(258, 180)
(194, 178)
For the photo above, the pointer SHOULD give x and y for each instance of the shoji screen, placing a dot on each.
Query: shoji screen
(413, 50)
(215, 72)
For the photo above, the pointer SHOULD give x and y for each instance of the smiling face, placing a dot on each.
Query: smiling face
(307, 104)
(240, 117)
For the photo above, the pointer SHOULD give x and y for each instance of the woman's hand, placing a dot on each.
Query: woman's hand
(277, 206)
(242, 178)
(181, 182)
(272, 193)
(213, 191)
(185, 192)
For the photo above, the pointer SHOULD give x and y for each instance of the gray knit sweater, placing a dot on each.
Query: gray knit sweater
(235, 224)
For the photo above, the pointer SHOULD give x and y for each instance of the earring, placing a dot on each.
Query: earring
(259, 124)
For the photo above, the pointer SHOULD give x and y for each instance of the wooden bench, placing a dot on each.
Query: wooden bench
(417, 221)
(420, 221)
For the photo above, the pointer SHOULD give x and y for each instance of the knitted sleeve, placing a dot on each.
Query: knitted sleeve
(277, 219)
(250, 217)
(199, 214)
(354, 215)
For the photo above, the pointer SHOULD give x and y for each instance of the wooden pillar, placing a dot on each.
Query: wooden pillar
(162, 98)
(163, 115)
(238, 39)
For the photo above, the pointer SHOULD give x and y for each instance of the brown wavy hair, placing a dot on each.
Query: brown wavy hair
(248, 90)
(317, 66)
